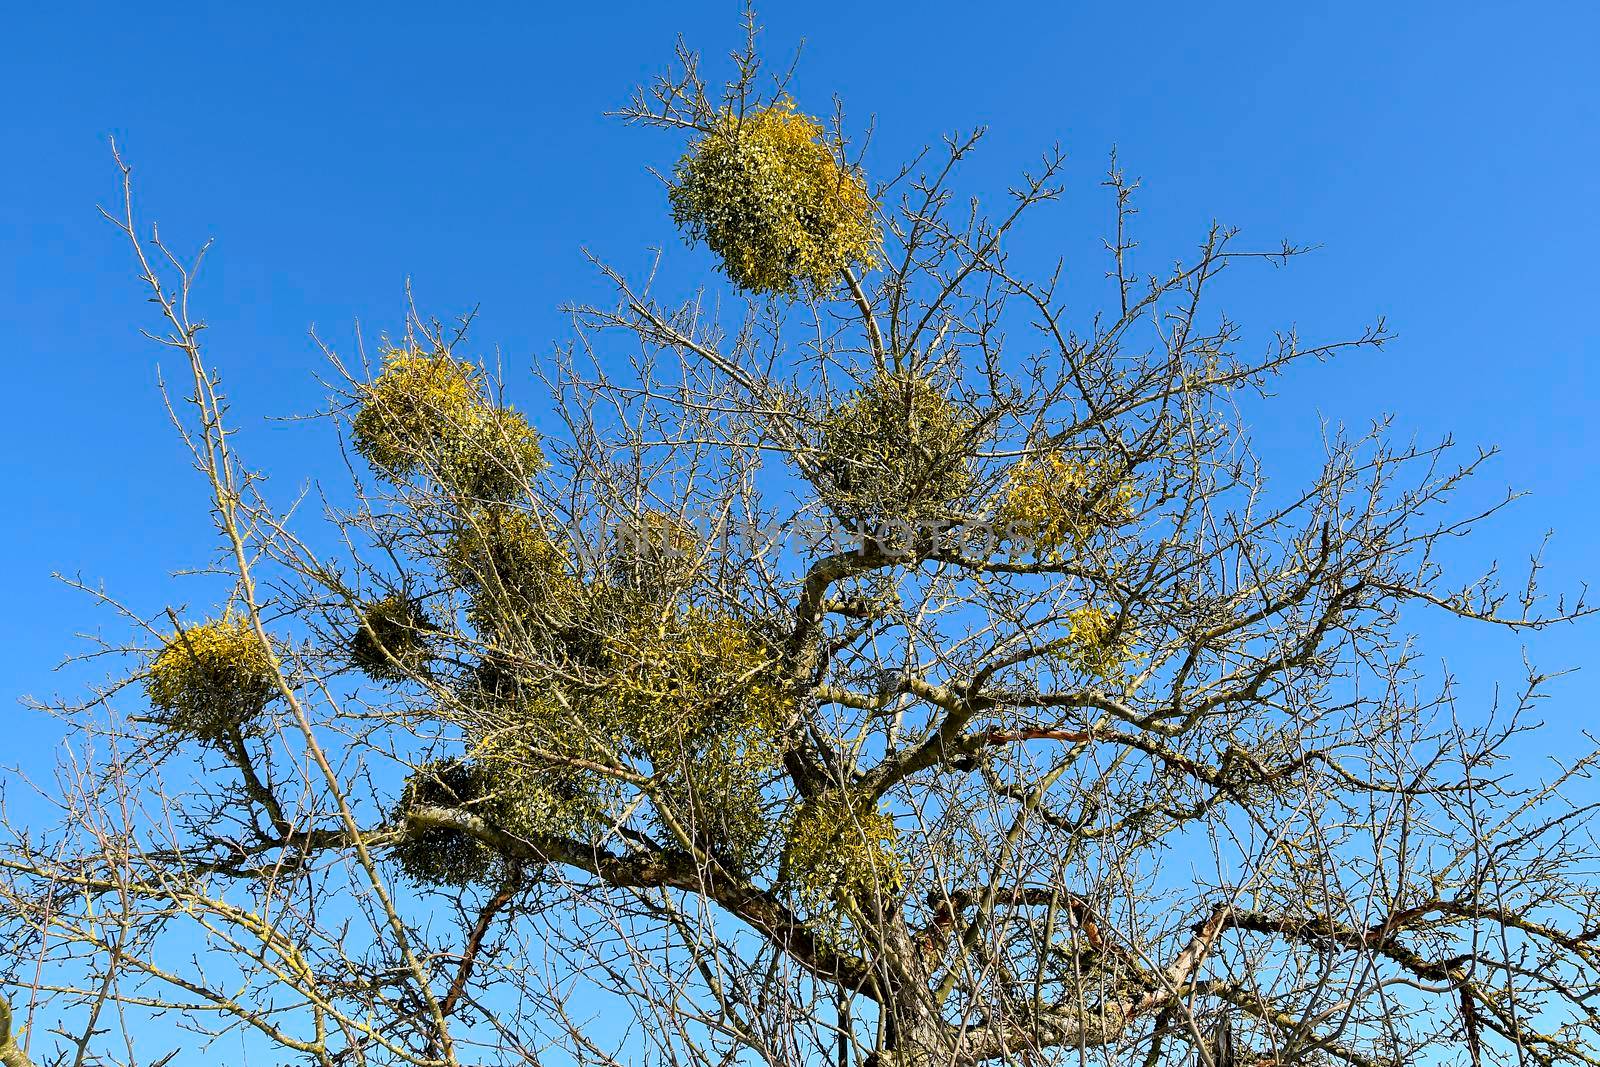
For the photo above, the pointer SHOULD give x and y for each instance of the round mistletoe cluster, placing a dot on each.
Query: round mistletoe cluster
(767, 195)
(521, 780)
(211, 680)
(698, 697)
(654, 552)
(1055, 500)
(515, 575)
(694, 699)
(391, 641)
(427, 415)
(445, 855)
(439, 848)
(1096, 645)
(841, 851)
(897, 447)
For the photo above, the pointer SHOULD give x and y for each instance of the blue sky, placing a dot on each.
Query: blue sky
(1443, 156)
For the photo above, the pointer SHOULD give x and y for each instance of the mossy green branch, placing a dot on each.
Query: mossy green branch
(11, 1055)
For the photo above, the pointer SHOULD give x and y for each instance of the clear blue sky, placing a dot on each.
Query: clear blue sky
(1443, 154)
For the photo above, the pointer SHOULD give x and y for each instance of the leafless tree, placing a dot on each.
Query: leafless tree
(888, 671)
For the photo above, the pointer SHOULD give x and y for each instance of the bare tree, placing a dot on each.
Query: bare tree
(880, 670)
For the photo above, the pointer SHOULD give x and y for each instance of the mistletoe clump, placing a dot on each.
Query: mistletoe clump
(418, 400)
(715, 793)
(841, 850)
(495, 455)
(391, 641)
(515, 576)
(505, 791)
(700, 698)
(10, 1054)
(544, 762)
(427, 414)
(771, 200)
(654, 552)
(692, 698)
(211, 680)
(1055, 500)
(897, 447)
(677, 678)
(1096, 644)
(446, 855)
